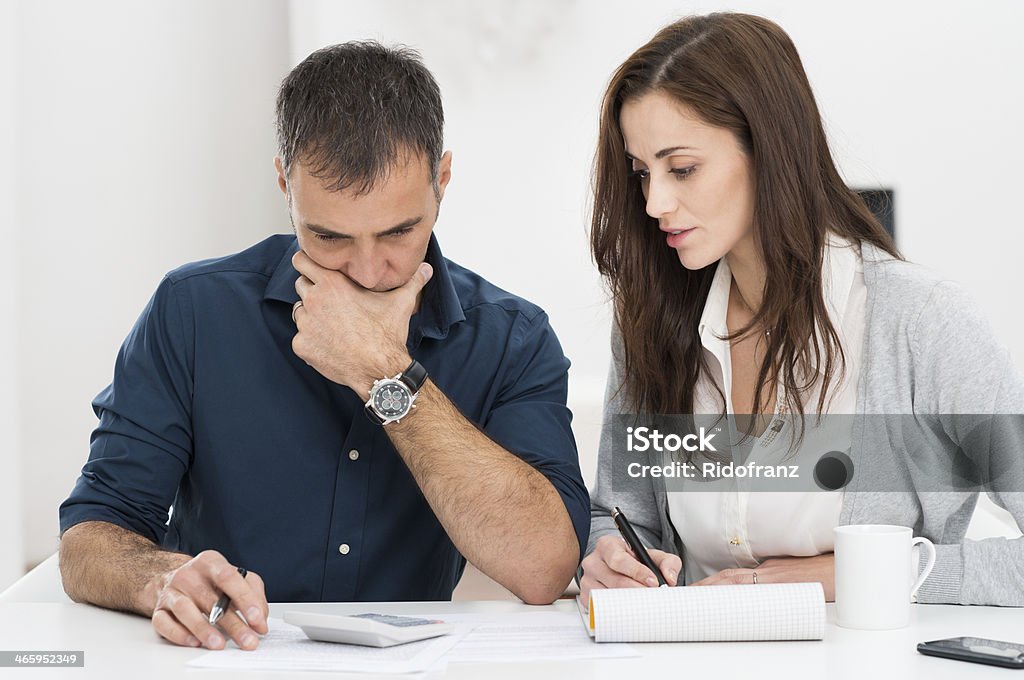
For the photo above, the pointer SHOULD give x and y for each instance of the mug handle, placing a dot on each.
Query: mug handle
(930, 547)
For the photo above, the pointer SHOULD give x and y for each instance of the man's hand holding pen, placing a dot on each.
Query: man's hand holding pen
(188, 595)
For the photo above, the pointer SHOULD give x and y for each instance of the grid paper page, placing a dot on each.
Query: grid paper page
(776, 611)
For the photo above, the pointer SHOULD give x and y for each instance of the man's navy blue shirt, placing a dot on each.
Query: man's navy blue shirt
(277, 467)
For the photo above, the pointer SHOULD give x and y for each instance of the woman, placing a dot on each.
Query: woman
(748, 279)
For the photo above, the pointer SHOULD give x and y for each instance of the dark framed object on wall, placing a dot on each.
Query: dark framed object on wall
(880, 202)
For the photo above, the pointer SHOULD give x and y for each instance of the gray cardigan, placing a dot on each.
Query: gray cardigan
(927, 350)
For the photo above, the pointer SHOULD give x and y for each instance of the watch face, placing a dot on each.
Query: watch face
(392, 399)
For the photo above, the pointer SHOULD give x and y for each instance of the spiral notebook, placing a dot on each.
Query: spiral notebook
(777, 611)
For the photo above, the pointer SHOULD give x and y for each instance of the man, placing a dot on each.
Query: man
(238, 398)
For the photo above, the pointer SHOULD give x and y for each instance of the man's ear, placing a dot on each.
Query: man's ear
(282, 179)
(444, 173)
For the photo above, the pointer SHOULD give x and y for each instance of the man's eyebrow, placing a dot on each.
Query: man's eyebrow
(663, 152)
(401, 226)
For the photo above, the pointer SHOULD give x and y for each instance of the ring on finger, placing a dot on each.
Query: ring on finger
(295, 308)
(753, 574)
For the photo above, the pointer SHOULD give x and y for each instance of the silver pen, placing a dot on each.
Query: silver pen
(221, 607)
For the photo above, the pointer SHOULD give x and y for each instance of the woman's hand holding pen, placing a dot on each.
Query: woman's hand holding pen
(187, 594)
(613, 565)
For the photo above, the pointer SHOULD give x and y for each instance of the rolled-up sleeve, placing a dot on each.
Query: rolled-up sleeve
(530, 417)
(142, 446)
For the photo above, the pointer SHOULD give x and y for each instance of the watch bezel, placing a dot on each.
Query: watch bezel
(395, 382)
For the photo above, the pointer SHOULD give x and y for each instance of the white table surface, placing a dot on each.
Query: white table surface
(36, 615)
(121, 646)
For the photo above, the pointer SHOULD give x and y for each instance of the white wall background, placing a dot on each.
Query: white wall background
(11, 512)
(144, 140)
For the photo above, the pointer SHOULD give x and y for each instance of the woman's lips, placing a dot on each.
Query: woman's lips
(674, 240)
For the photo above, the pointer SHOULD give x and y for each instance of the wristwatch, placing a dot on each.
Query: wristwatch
(392, 399)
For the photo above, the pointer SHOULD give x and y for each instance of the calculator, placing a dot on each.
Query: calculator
(370, 630)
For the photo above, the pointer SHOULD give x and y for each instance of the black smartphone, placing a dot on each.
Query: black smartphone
(977, 650)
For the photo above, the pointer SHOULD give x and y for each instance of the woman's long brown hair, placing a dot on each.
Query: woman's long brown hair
(741, 73)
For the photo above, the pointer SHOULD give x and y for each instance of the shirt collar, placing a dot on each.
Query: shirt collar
(440, 307)
(839, 268)
(712, 320)
(282, 282)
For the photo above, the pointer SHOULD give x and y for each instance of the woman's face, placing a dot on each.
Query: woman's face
(696, 179)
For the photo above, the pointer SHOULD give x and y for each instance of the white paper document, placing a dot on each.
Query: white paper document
(534, 636)
(286, 648)
(479, 638)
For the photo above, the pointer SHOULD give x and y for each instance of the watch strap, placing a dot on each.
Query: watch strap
(414, 376)
(372, 415)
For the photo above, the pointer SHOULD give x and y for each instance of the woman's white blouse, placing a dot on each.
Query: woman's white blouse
(729, 529)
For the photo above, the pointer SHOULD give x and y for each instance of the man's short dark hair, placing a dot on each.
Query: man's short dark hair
(351, 113)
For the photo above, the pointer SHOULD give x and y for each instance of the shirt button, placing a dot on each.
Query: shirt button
(353, 455)
(343, 548)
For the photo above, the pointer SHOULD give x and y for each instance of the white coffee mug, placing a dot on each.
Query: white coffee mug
(874, 586)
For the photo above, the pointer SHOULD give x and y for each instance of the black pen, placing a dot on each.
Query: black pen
(634, 543)
(221, 607)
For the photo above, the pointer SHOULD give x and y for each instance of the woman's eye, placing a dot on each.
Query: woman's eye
(680, 173)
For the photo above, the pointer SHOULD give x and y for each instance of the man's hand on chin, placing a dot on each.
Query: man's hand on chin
(350, 335)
